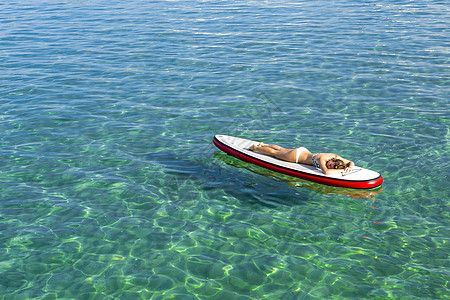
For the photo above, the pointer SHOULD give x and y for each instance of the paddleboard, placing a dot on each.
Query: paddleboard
(358, 178)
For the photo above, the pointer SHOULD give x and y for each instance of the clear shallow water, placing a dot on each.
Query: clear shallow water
(111, 188)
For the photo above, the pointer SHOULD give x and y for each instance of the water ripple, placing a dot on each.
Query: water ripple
(110, 184)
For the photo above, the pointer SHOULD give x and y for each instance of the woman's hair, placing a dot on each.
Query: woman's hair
(339, 164)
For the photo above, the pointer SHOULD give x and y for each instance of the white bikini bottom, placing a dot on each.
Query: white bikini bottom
(299, 151)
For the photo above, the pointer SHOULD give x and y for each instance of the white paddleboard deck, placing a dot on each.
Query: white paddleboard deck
(238, 147)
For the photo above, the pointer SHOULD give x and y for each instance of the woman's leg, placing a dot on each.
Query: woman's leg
(275, 147)
(276, 151)
(258, 146)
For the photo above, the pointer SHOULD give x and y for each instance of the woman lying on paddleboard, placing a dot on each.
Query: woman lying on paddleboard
(329, 163)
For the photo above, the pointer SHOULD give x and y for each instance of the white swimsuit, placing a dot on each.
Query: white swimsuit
(299, 151)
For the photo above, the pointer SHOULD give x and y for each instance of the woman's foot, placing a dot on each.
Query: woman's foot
(256, 146)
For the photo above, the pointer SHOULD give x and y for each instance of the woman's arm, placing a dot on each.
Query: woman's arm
(346, 161)
(333, 171)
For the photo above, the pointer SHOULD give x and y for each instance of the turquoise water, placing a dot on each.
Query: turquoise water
(111, 188)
